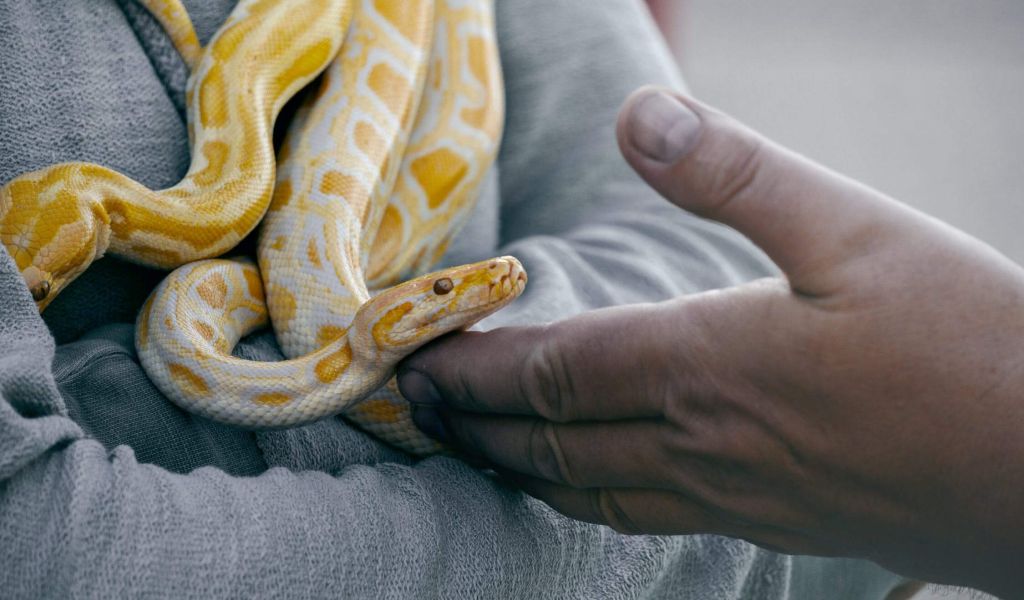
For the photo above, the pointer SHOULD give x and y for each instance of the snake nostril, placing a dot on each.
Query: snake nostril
(443, 286)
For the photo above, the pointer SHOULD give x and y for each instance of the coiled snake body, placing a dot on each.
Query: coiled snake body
(379, 168)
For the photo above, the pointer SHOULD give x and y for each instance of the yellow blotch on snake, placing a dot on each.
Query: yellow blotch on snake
(214, 290)
(388, 241)
(142, 328)
(213, 106)
(204, 330)
(336, 183)
(307, 64)
(232, 37)
(392, 11)
(331, 367)
(328, 333)
(284, 304)
(380, 411)
(272, 399)
(254, 284)
(216, 154)
(478, 117)
(368, 140)
(438, 173)
(382, 327)
(312, 254)
(188, 378)
(283, 193)
(389, 85)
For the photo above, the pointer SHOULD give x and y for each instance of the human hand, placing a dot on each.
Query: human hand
(870, 404)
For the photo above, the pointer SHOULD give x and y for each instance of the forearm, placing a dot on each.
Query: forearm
(81, 522)
(589, 232)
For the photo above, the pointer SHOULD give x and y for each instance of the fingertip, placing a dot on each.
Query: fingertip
(428, 420)
(418, 388)
(460, 370)
(429, 361)
(657, 128)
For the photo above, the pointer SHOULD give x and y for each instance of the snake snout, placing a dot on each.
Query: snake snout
(516, 275)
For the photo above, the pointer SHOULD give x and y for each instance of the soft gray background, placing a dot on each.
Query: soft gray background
(922, 99)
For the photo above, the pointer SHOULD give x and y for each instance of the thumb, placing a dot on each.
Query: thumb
(807, 218)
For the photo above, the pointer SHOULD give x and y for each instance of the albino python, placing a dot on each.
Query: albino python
(379, 168)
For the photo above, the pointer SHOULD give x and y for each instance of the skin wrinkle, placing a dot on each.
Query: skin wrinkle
(538, 383)
(613, 513)
(541, 455)
(562, 382)
(544, 437)
(733, 186)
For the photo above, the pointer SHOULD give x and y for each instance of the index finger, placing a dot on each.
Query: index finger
(613, 363)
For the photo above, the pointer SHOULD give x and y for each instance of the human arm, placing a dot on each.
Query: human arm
(868, 404)
(588, 230)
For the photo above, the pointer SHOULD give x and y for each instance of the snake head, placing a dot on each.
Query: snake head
(406, 316)
(51, 229)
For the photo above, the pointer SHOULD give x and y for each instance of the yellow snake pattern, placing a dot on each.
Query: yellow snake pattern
(378, 170)
(58, 220)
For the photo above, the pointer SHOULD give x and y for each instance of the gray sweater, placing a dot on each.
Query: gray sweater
(106, 489)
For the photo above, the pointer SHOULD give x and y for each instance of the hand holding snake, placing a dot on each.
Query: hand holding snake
(866, 404)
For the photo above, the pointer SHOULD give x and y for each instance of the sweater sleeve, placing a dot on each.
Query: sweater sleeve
(589, 232)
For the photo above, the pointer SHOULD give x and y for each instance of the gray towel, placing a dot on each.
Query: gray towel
(107, 490)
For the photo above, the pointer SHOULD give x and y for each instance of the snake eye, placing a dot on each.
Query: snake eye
(40, 291)
(443, 286)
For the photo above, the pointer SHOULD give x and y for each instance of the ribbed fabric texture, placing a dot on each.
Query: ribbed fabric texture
(107, 490)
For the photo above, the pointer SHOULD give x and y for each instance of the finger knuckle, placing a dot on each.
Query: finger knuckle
(547, 455)
(613, 513)
(740, 159)
(546, 380)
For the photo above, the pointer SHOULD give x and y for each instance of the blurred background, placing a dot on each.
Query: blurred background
(922, 99)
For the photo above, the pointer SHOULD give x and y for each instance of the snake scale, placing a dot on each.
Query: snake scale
(378, 170)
